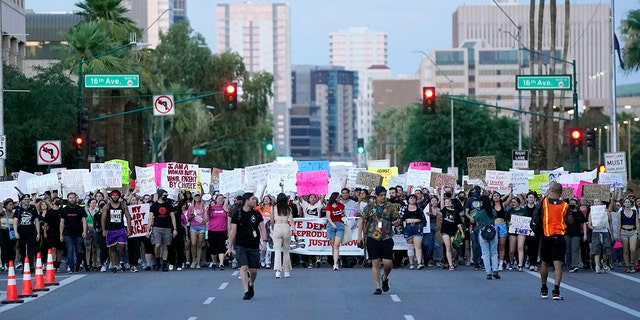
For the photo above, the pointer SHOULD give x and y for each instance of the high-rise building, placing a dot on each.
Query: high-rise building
(261, 34)
(152, 16)
(14, 35)
(46, 32)
(179, 12)
(366, 102)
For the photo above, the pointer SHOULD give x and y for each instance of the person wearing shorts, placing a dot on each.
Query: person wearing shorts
(378, 219)
(161, 228)
(246, 231)
(335, 227)
(114, 231)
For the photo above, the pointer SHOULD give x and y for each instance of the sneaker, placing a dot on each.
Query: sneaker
(489, 277)
(598, 270)
(156, 267)
(520, 269)
(19, 265)
(318, 264)
(420, 266)
(193, 265)
(335, 267)
(556, 295)
(385, 284)
(234, 264)
(411, 267)
(211, 264)
(165, 266)
(221, 267)
(574, 269)
(127, 267)
(500, 266)
(309, 266)
(632, 270)
(198, 266)
(532, 268)
(606, 268)
(178, 269)
(378, 291)
(544, 292)
(262, 264)
(251, 292)
(114, 270)
(118, 268)
(287, 274)
(133, 269)
(170, 267)
(268, 266)
(247, 296)
(496, 275)
(277, 274)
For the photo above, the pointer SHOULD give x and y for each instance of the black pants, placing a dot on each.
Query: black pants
(176, 250)
(27, 243)
(7, 247)
(134, 250)
(533, 245)
(585, 252)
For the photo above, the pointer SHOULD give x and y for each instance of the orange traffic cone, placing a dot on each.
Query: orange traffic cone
(27, 285)
(39, 283)
(50, 279)
(12, 288)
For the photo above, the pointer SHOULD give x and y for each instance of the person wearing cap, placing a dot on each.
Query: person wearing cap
(114, 230)
(27, 228)
(196, 217)
(73, 230)
(162, 228)
(218, 220)
(378, 219)
(247, 232)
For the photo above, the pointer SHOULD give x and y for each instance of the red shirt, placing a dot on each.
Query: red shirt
(335, 212)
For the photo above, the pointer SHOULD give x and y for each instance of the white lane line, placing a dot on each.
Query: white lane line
(235, 273)
(592, 296)
(624, 276)
(395, 298)
(224, 285)
(408, 317)
(209, 300)
(40, 294)
(192, 318)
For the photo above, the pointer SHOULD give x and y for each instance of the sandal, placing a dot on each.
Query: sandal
(451, 268)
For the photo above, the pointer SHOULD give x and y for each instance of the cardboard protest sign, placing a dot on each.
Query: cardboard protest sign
(441, 180)
(477, 166)
(386, 174)
(368, 179)
(596, 191)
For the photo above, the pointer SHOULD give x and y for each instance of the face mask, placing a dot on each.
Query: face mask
(164, 197)
(461, 198)
(25, 205)
(572, 206)
(448, 194)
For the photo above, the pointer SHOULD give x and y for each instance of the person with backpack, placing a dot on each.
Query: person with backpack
(484, 218)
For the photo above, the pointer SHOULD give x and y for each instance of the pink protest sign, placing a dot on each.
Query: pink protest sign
(312, 182)
(158, 170)
(420, 165)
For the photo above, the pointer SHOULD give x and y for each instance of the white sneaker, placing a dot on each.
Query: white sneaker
(598, 270)
(193, 265)
(286, 274)
(179, 269)
(500, 266)
(104, 268)
(277, 274)
(170, 267)
(335, 267)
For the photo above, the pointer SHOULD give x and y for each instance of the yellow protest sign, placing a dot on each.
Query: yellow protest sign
(386, 174)
(125, 169)
(534, 184)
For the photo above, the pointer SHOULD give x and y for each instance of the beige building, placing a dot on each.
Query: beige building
(395, 93)
(152, 16)
(261, 34)
(14, 32)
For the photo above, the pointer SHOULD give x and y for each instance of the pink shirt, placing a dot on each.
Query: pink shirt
(198, 210)
(217, 218)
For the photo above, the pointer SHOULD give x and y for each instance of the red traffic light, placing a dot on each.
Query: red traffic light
(230, 88)
(428, 92)
(602, 168)
(576, 134)
(78, 141)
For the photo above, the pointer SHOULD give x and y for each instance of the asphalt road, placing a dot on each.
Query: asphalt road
(325, 294)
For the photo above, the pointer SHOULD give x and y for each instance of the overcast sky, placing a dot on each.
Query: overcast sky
(410, 25)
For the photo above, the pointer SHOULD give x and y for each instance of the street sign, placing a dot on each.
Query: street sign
(615, 162)
(199, 152)
(48, 152)
(111, 81)
(3, 147)
(163, 105)
(520, 159)
(543, 82)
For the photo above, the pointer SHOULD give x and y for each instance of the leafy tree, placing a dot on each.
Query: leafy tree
(631, 38)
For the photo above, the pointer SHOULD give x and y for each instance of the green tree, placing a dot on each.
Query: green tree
(631, 38)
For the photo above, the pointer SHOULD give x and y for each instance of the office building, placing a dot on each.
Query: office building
(46, 32)
(152, 16)
(14, 32)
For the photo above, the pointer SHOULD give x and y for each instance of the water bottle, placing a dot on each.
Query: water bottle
(206, 234)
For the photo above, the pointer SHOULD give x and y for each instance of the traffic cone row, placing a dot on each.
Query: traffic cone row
(27, 288)
(39, 283)
(51, 271)
(12, 288)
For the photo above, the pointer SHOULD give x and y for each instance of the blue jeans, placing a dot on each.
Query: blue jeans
(475, 245)
(428, 243)
(489, 254)
(74, 250)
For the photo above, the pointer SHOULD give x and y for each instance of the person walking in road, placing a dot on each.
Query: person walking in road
(281, 224)
(26, 226)
(552, 212)
(378, 219)
(246, 232)
(484, 217)
(162, 228)
(335, 227)
(73, 230)
(113, 229)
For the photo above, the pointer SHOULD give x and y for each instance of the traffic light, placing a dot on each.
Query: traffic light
(602, 168)
(360, 147)
(428, 100)
(78, 143)
(577, 136)
(84, 120)
(230, 91)
(591, 137)
(268, 146)
(93, 146)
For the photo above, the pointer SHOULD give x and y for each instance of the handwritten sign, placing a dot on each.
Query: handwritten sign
(139, 219)
(520, 180)
(420, 165)
(534, 184)
(441, 180)
(599, 217)
(40, 184)
(383, 163)
(613, 180)
(72, 181)
(158, 171)
(106, 175)
(230, 181)
(182, 176)
(259, 174)
(386, 174)
(477, 166)
(568, 192)
(145, 180)
(353, 176)
(312, 182)
(497, 181)
(368, 179)
(399, 180)
(520, 225)
(204, 177)
(596, 191)
(124, 164)
(418, 178)
(306, 166)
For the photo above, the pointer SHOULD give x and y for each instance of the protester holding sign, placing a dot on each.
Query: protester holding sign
(335, 227)
(601, 237)
(516, 239)
(312, 209)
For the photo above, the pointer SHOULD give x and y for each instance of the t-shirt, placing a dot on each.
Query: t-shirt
(248, 228)
(335, 212)
(52, 219)
(217, 218)
(72, 216)
(115, 217)
(162, 214)
(379, 220)
(26, 217)
(450, 221)
(473, 204)
(350, 207)
(311, 210)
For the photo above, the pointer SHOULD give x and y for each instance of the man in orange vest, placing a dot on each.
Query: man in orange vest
(552, 244)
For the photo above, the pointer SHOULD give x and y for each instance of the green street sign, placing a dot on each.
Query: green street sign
(543, 82)
(111, 81)
(199, 152)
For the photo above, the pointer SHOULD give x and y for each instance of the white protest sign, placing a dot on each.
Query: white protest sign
(259, 174)
(615, 180)
(599, 217)
(384, 163)
(182, 176)
(146, 180)
(73, 181)
(520, 225)
(312, 238)
(230, 181)
(335, 185)
(139, 219)
(418, 178)
(106, 175)
(40, 184)
(288, 168)
(520, 180)
(615, 162)
(8, 190)
(497, 181)
(23, 179)
(353, 177)
(399, 180)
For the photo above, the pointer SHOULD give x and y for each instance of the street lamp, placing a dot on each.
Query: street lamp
(450, 100)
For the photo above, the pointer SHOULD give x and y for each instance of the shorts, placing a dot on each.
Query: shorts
(53, 241)
(248, 257)
(161, 236)
(552, 248)
(337, 232)
(115, 237)
(628, 234)
(197, 229)
(501, 229)
(380, 249)
(412, 230)
(601, 243)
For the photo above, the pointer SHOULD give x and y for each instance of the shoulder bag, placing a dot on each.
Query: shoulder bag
(457, 240)
(488, 232)
(12, 233)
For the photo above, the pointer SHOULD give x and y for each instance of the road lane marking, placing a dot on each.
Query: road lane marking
(395, 298)
(192, 318)
(235, 273)
(224, 285)
(63, 282)
(624, 276)
(592, 296)
(408, 317)
(209, 300)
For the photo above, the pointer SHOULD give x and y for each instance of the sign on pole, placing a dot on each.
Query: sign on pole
(163, 105)
(48, 152)
(3, 147)
(543, 82)
(615, 162)
(520, 159)
(111, 81)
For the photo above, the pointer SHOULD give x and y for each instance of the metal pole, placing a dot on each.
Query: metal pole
(519, 93)
(614, 130)
(575, 107)
(599, 145)
(452, 141)
(2, 93)
(161, 143)
(629, 146)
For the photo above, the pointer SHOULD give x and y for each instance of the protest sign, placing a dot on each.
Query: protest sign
(477, 166)
(259, 174)
(124, 164)
(420, 165)
(306, 166)
(204, 177)
(599, 217)
(385, 173)
(498, 181)
(139, 219)
(145, 180)
(368, 179)
(312, 238)
(596, 191)
(312, 182)
(418, 178)
(106, 175)
(441, 180)
(520, 180)
(182, 176)
(520, 225)
(230, 181)
(40, 184)
(534, 184)
(72, 181)
(383, 163)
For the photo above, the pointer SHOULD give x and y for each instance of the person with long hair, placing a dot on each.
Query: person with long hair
(218, 221)
(7, 245)
(628, 233)
(499, 204)
(429, 238)
(281, 225)
(196, 217)
(451, 223)
(486, 216)
(335, 227)
(414, 221)
(90, 244)
(532, 242)
(312, 209)
(516, 240)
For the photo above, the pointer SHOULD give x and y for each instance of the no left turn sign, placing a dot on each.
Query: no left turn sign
(163, 105)
(48, 152)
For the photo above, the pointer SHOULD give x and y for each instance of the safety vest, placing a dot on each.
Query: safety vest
(553, 218)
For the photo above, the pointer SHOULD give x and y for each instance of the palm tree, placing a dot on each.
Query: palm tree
(631, 38)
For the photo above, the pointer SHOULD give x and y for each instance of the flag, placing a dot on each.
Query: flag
(616, 47)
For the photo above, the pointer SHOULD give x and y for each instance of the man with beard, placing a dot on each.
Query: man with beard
(73, 227)
(113, 229)
(162, 228)
(27, 228)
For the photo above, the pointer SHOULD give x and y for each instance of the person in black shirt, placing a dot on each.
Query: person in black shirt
(162, 228)
(27, 228)
(52, 231)
(113, 229)
(73, 228)
(247, 229)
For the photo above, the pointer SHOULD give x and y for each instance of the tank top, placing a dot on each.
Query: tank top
(501, 214)
(628, 221)
(278, 218)
(115, 217)
(198, 211)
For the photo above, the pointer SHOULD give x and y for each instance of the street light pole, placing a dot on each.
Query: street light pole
(614, 130)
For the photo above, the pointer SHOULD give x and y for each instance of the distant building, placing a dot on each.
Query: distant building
(306, 132)
(180, 10)
(365, 101)
(46, 32)
(14, 32)
(261, 34)
(395, 93)
(152, 16)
